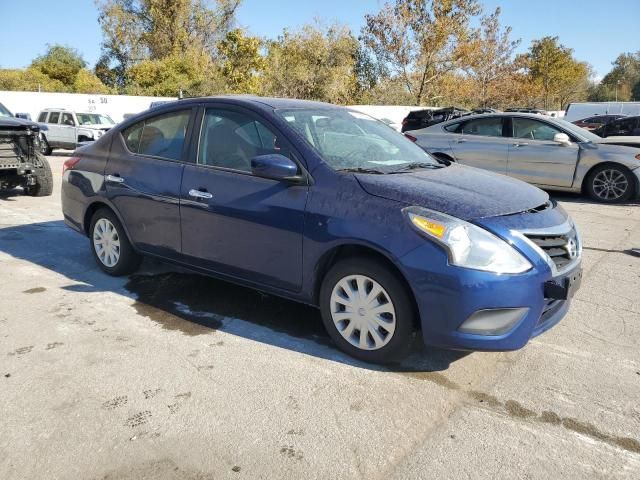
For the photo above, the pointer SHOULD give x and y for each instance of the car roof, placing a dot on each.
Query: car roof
(253, 100)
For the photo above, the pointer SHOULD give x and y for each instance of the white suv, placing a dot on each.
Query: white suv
(67, 129)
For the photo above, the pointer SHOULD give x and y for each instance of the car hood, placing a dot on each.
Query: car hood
(463, 192)
(14, 123)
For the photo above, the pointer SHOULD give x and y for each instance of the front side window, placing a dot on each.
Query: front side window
(54, 117)
(67, 119)
(533, 129)
(347, 139)
(622, 127)
(163, 136)
(486, 127)
(231, 139)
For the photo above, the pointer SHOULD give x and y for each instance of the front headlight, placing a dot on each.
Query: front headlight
(468, 245)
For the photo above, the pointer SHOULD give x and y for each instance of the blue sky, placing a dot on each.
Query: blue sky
(597, 30)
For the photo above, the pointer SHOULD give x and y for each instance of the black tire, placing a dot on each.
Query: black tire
(402, 339)
(45, 149)
(44, 179)
(129, 260)
(593, 184)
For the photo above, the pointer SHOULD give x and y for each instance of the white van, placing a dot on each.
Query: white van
(578, 111)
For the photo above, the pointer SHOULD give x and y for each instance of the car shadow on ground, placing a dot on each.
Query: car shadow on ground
(177, 299)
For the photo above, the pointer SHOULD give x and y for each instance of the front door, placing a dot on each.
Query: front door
(234, 222)
(479, 143)
(68, 130)
(535, 158)
(143, 176)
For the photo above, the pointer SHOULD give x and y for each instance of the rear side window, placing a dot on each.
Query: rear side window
(42, 117)
(54, 117)
(132, 136)
(161, 136)
(627, 126)
(453, 128)
(486, 127)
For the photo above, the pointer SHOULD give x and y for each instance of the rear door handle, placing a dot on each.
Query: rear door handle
(199, 194)
(460, 140)
(114, 178)
(523, 144)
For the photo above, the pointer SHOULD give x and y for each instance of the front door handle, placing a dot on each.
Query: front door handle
(114, 178)
(523, 144)
(460, 140)
(199, 194)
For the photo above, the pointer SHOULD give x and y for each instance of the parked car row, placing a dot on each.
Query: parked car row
(548, 152)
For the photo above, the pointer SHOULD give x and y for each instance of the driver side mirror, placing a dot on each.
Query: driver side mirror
(276, 167)
(562, 139)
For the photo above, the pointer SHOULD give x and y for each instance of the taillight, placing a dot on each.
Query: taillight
(70, 163)
(410, 137)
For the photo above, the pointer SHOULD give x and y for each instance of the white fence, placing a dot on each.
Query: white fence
(116, 106)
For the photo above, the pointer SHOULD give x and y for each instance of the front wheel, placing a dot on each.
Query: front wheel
(367, 310)
(44, 180)
(611, 184)
(110, 246)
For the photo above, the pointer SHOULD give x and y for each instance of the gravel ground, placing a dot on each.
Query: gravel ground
(170, 375)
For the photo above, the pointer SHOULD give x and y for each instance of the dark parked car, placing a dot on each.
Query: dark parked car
(327, 206)
(21, 162)
(596, 121)
(427, 117)
(622, 127)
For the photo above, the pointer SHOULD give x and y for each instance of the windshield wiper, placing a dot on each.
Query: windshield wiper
(361, 170)
(415, 166)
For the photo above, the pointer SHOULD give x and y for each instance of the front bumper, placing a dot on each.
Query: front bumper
(448, 296)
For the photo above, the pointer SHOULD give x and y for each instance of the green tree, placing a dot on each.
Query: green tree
(491, 60)
(29, 80)
(241, 62)
(60, 63)
(560, 76)
(622, 78)
(314, 63)
(139, 30)
(421, 41)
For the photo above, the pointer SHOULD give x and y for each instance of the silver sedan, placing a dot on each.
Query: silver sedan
(548, 152)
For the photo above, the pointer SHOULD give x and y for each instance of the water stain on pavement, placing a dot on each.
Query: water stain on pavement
(197, 305)
(35, 290)
(516, 410)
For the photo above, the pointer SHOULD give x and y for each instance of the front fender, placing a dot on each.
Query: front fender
(592, 155)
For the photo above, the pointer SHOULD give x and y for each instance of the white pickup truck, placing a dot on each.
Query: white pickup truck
(67, 129)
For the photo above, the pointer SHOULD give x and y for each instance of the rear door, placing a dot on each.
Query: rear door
(234, 222)
(143, 179)
(535, 158)
(479, 142)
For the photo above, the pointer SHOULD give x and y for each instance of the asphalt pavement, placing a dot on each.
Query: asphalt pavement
(171, 375)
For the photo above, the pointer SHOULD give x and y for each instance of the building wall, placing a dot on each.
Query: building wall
(116, 106)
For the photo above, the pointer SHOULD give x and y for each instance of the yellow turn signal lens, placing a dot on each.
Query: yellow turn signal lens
(435, 229)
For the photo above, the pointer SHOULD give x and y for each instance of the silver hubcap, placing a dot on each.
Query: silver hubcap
(610, 184)
(106, 242)
(363, 312)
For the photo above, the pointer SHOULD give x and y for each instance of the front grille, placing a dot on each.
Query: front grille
(561, 249)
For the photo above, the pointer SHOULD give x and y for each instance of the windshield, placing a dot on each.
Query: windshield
(94, 119)
(581, 133)
(349, 140)
(4, 112)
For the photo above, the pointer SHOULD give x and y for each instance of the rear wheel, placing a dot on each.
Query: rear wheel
(367, 310)
(110, 246)
(45, 149)
(44, 180)
(611, 184)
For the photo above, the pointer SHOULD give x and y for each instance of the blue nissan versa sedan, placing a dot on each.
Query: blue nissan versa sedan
(327, 206)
